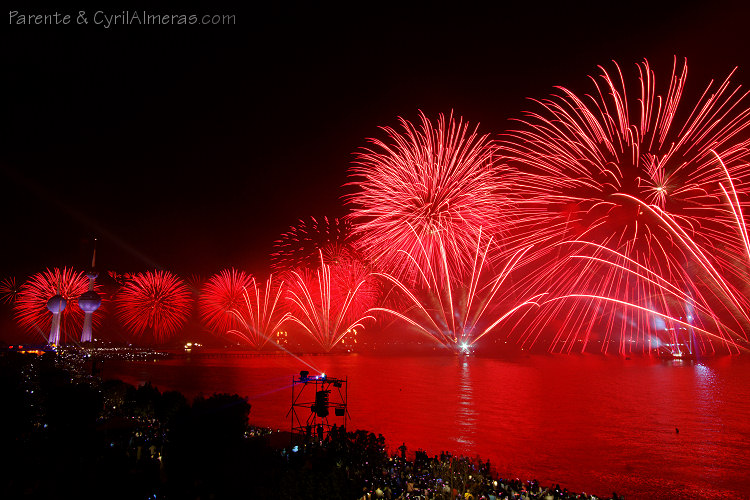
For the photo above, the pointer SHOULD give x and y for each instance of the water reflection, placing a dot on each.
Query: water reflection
(591, 423)
(709, 448)
(466, 413)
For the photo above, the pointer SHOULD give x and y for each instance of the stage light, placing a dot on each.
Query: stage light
(303, 374)
(339, 412)
(337, 384)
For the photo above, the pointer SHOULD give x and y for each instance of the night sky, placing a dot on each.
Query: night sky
(192, 148)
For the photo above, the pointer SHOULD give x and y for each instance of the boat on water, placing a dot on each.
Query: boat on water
(678, 356)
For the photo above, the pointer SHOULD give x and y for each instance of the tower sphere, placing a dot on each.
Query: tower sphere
(89, 301)
(56, 304)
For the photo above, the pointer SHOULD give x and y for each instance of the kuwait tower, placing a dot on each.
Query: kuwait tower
(89, 302)
(56, 305)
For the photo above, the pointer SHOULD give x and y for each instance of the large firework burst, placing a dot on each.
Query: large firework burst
(31, 302)
(430, 185)
(330, 301)
(155, 303)
(220, 295)
(644, 183)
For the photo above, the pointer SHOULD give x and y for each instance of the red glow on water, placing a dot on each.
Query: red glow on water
(588, 422)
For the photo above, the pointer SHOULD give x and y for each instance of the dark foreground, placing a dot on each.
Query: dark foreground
(72, 435)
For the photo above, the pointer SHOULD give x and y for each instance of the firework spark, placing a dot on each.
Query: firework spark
(301, 245)
(330, 301)
(9, 290)
(617, 188)
(260, 313)
(430, 186)
(119, 278)
(155, 302)
(457, 308)
(31, 303)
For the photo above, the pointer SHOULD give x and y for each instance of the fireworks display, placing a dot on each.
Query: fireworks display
(220, 295)
(330, 301)
(431, 185)
(636, 206)
(457, 307)
(31, 303)
(260, 313)
(301, 245)
(9, 290)
(154, 303)
(119, 278)
(624, 208)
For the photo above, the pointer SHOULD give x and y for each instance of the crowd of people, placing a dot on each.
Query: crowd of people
(424, 478)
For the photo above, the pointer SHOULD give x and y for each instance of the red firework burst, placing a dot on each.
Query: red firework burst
(421, 183)
(457, 310)
(260, 314)
(31, 303)
(220, 295)
(9, 290)
(349, 272)
(330, 301)
(155, 302)
(637, 205)
(301, 244)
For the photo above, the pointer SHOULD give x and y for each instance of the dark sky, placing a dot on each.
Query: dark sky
(192, 148)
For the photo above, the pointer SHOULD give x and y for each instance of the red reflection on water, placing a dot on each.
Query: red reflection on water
(590, 423)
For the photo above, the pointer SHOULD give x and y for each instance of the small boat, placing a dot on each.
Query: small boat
(677, 356)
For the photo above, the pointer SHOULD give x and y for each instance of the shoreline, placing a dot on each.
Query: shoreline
(149, 440)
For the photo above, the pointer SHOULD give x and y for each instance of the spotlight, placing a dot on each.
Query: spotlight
(303, 374)
(337, 384)
(339, 412)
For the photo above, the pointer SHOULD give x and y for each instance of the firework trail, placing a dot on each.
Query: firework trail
(457, 307)
(429, 185)
(220, 295)
(31, 303)
(9, 290)
(617, 187)
(330, 301)
(195, 282)
(260, 313)
(119, 278)
(156, 303)
(301, 245)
